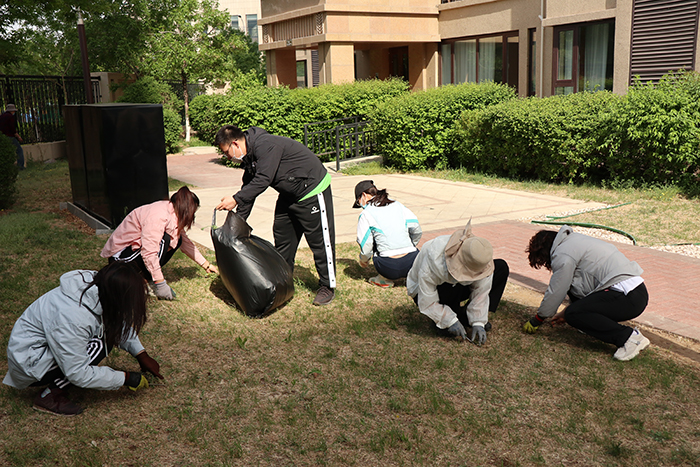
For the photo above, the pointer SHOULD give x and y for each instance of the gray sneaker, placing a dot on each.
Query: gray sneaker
(324, 296)
(53, 400)
(635, 344)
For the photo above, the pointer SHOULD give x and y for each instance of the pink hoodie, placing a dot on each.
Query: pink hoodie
(143, 229)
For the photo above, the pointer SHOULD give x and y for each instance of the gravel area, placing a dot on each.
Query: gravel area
(686, 250)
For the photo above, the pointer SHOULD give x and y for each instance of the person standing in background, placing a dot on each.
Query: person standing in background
(8, 127)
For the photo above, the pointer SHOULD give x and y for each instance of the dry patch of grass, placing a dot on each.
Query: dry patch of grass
(365, 380)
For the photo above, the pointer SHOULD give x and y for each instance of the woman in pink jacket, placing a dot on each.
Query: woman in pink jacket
(151, 234)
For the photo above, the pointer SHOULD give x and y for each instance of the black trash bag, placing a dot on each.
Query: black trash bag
(252, 270)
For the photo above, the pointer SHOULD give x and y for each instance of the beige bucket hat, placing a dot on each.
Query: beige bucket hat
(468, 258)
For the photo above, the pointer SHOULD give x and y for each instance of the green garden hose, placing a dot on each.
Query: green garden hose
(593, 226)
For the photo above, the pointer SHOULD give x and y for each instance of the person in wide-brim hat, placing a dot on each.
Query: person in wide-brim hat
(451, 269)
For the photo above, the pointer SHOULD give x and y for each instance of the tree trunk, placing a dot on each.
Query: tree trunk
(186, 98)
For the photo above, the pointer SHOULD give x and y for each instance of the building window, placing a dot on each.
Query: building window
(252, 26)
(302, 81)
(487, 58)
(583, 57)
(532, 62)
(445, 64)
(235, 24)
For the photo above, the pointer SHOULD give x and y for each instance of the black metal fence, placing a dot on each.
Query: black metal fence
(339, 139)
(40, 101)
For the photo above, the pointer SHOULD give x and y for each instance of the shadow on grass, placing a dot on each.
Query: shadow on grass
(303, 277)
(353, 270)
(177, 273)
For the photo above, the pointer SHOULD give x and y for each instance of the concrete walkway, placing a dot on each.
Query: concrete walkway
(443, 206)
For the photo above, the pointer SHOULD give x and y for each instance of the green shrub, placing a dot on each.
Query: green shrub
(283, 111)
(149, 91)
(203, 120)
(651, 136)
(8, 172)
(554, 139)
(417, 130)
(654, 138)
(172, 129)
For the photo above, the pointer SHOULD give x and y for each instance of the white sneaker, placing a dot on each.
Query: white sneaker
(635, 344)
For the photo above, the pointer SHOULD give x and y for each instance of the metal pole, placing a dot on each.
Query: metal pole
(337, 150)
(84, 57)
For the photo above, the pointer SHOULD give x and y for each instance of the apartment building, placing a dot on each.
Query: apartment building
(244, 16)
(540, 47)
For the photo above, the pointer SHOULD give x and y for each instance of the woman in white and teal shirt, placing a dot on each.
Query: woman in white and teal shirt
(388, 232)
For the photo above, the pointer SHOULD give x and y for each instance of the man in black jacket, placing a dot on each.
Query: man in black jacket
(305, 202)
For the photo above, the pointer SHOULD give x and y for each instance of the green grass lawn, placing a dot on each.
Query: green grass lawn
(363, 381)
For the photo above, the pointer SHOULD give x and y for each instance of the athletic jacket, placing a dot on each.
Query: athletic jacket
(278, 162)
(55, 330)
(143, 229)
(430, 270)
(8, 124)
(583, 265)
(391, 230)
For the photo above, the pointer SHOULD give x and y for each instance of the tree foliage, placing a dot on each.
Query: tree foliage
(162, 38)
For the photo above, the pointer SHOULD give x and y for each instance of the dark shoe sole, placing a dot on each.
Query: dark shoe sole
(316, 303)
(322, 303)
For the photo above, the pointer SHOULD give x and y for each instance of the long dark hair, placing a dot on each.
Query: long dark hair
(122, 293)
(186, 204)
(380, 197)
(539, 249)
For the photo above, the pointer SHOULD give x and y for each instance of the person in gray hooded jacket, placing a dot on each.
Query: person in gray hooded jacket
(60, 339)
(604, 288)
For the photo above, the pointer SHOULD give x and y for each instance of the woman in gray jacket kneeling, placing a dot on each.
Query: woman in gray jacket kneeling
(60, 339)
(604, 287)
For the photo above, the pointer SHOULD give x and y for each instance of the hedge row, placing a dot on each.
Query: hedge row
(417, 130)
(283, 111)
(649, 136)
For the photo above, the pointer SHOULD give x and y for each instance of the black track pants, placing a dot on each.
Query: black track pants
(55, 378)
(599, 314)
(454, 295)
(134, 258)
(313, 218)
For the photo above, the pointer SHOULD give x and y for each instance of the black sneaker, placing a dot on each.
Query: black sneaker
(53, 401)
(324, 296)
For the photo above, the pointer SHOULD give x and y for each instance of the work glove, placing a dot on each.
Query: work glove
(478, 335)
(149, 364)
(533, 324)
(135, 381)
(457, 330)
(164, 291)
